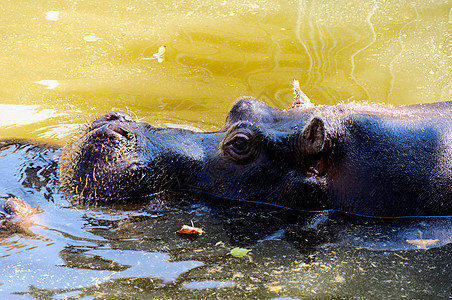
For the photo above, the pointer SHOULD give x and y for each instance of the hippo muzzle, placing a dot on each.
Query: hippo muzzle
(102, 160)
(116, 157)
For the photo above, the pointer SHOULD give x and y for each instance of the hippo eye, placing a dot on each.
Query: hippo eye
(241, 146)
(240, 142)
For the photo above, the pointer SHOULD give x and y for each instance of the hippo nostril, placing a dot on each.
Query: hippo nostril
(119, 130)
(113, 131)
(111, 117)
(121, 116)
(115, 116)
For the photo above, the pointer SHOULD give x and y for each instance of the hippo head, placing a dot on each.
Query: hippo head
(262, 154)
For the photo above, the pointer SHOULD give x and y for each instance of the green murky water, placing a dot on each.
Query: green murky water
(65, 62)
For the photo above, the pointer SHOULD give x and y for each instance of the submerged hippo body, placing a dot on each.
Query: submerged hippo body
(366, 159)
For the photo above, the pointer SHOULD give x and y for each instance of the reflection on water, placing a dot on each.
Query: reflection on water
(93, 267)
(13, 115)
(65, 62)
(49, 84)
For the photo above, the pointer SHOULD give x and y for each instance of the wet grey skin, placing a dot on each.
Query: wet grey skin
(368, 159)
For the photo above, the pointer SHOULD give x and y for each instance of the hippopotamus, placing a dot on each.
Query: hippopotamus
(16, 207)
(361, 158)
(14, 216)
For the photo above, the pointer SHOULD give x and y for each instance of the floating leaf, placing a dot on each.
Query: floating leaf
(190, 230)
(423, 244)
(161, 54)
(239, 252)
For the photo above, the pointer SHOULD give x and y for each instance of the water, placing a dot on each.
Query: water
(65, 62)
(98, 57)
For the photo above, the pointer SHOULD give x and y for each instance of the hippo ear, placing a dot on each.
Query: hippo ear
(313, 137)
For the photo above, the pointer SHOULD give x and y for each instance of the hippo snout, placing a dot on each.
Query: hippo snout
(114, 116)
(113, 125)
(114, 131)
(102, 160)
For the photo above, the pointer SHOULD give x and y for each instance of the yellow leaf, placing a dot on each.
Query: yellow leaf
(239, 252)
(161, 54)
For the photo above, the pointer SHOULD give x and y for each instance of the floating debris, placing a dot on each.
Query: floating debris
(91, 38)
(190, 230)
(239, 252)
(161, 54)
(274, 289)
(339, 279)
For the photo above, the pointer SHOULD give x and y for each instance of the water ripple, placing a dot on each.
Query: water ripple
(298, 35)
(396, 57)
(374, 39)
